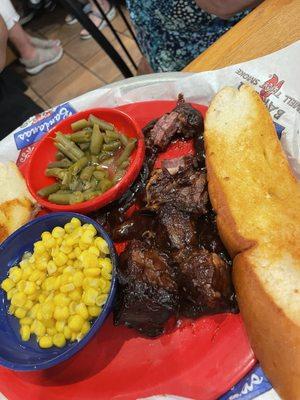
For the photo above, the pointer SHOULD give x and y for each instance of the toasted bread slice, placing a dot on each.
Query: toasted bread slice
(257, 201)
(16, 203)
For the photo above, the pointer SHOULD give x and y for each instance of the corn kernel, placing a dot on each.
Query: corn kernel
(18, 299)
(75, 294)
(106, 275)
(21, 285)
(39, 247)
(105, 264)
(26, 321)
(65, 249)
(49, 323)
(71, 241)
(72, 255)
(75, 222)
(11, 309)
(47, 310)
(101, 299)
(39, 328)
(59, 326)
(20, 312)
(107, 288)
(89, 260)
(77, 251)
(102, 284)
(85, 328)
(10, 293)
(28, 304)
(30, 288)
(78, 278)
(27, 272)
(15, 274)
(58, 232)
(83, 246)
(75, 323)
(50, 242)
(91, 282)
(35, 276)
(41, 265)
(46, 342)
(67, 332)
(72, 307)
(25, 333)
(69, 228)
(7, 284)
(77, 264)
(32, 313)
(59, 241)
(102, 245)
(51, 331)
(89, 296)
(59, 340)
(45, 236)
(82, 310)
(49, 284)
(68, 287)
(61, 300)
(60, 259)
(94, 311)
(92, 272)
(57, 282)
(94, 250)
(87, 237)
(73, 337)
(61, 313)
(42, 298)
(51, 267)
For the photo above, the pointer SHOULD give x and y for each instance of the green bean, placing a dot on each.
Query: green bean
(79, 165)
(126, 152)
(45, 191)
(78, 125)
(89, 194)
(100, 175)
(112, 135)
(59, 156)
(96, 140)
(64, 163)
(67, 178)
(123, 139)
(64, 191)
(55, 172)
(94, 160)
(87, 173)
(84, 146)
(65, 151)
(102, 124)
(76, 197)
(80, 137)
(104, 155)
(71, 146)
(119, 175)
(105, 184)
(112, 146)
(60, 198)
(125, 164)
(76, 184)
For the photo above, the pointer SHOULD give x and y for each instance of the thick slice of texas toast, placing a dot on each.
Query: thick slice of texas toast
(257, 201)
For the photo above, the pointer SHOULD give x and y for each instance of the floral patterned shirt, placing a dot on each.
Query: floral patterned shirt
(172, 33)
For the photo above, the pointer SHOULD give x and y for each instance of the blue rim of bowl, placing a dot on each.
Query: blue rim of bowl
(98, 322)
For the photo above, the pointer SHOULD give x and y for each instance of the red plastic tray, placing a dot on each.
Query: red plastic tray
(200, 359)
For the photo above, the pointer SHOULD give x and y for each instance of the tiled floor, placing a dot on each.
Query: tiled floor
(84, 65)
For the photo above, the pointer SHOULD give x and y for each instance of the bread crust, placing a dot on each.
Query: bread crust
(274, 336)
(275, 339)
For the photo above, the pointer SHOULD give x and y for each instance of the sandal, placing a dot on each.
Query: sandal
(98, 21)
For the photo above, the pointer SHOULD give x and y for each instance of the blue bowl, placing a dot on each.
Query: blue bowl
(28, 356)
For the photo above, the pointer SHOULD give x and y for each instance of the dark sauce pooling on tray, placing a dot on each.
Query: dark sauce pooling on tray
(174, 262)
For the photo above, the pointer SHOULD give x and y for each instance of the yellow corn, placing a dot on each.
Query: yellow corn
(7, 284)
(68, 287)
(82, 310)
(75, 294)
(94, 311)
(92, 272)
(20, 312)
(61, 299)
(85, 328)
(15, 274)
(89, 296)
(101, 299)
(67, 332)
(39, 328)
(102, 245)
(39, 247)
(58, 232)
(59, 326)
(78, 278)
(46, 342)
(75, 323)
(94, 250)
(30, 288)
(75, 222)
(59, 340)
(26, 321)
(51, 331)
(51, 267)
(25, 333)
(61, 313)
(18, 299)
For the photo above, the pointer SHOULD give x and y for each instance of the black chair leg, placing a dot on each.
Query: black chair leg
(119, 8)
(74, 8)
(114, 32)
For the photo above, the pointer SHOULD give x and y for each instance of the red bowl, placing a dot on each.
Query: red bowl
(45, 153)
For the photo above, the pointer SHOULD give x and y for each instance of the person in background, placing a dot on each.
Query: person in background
(15, 106)
(92, 11)
(35, 53)
(172, 33)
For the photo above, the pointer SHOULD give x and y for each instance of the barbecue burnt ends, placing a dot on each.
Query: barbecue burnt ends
(174, 263)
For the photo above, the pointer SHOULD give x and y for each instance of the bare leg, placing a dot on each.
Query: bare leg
(21, 41)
